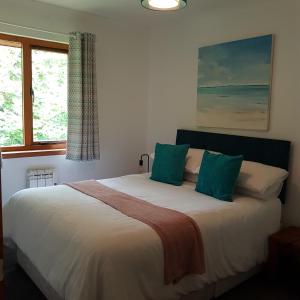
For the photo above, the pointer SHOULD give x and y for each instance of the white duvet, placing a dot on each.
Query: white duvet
(87, 250)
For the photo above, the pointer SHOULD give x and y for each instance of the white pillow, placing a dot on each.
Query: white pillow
(193, 160)
(256, 180)
(259, 180)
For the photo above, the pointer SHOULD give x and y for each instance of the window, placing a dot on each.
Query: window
(33, 96)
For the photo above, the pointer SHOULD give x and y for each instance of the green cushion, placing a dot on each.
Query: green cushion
(218, 175)
(169, 163)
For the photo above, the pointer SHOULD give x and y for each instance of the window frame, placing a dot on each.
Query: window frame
(31, 148)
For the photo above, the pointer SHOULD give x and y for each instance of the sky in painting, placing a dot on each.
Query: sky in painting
(236, 63)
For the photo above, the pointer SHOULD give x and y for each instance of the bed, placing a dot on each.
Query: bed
(75, 247)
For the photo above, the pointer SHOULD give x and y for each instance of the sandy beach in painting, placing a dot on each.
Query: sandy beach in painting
(234, 106)
(234, 120)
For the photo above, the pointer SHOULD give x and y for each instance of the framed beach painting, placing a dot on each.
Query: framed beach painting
(234, 84)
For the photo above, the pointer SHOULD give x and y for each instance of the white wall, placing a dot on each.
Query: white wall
(122, 90)
(173, 73)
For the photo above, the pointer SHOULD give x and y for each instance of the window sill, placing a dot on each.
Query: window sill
(32, 153)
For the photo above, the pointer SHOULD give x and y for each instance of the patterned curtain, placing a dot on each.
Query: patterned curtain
(83, 132)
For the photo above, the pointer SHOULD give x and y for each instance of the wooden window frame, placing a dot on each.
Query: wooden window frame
(31, 148)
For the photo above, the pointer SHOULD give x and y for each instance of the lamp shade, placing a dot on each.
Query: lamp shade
(164, 5)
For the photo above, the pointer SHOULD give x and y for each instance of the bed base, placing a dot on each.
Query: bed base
(208, 292)
(36, 277)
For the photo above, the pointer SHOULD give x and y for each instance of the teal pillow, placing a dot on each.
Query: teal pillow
(218, 175)
(169, 163)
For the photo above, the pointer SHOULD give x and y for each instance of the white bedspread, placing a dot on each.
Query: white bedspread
(87, 250)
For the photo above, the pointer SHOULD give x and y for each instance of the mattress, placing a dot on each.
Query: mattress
(85, 249)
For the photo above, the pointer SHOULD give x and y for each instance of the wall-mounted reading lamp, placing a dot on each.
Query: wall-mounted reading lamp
(141, 161)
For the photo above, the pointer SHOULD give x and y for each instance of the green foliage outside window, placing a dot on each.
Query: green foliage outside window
(11, 110)
(49, 82)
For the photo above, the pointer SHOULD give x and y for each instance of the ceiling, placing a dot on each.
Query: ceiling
(130, 9)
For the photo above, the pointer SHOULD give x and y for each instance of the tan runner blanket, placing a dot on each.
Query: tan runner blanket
(179, 233)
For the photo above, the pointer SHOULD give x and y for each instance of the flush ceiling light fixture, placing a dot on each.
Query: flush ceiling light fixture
(164, 5)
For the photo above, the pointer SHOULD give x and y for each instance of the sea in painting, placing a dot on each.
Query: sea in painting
(234, 84)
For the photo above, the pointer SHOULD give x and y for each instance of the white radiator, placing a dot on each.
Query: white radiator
(40, 177)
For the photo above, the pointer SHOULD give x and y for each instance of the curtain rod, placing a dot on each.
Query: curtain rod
(32, 28)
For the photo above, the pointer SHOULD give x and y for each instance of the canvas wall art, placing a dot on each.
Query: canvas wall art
(234, 84)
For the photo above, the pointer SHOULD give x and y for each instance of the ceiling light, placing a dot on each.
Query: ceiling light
(164, 5)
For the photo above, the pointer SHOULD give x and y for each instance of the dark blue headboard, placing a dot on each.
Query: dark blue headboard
(267, 151)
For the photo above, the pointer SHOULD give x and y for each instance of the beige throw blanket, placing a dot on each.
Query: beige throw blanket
(180, 235)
